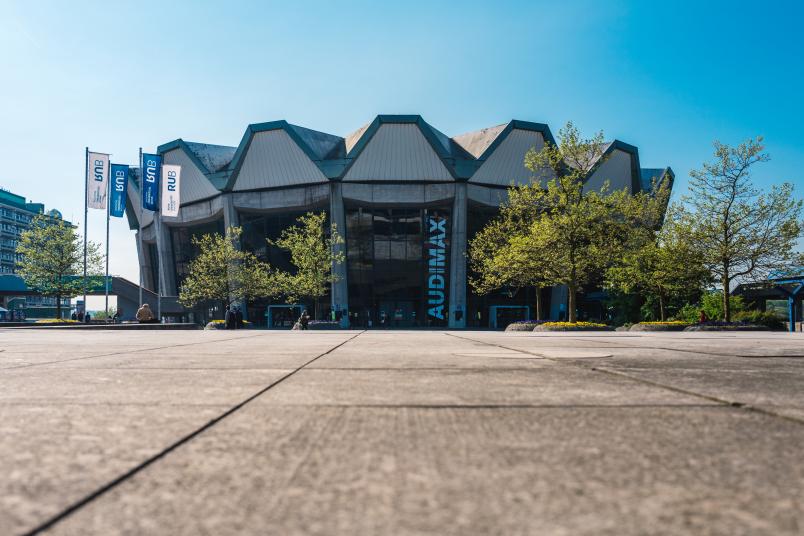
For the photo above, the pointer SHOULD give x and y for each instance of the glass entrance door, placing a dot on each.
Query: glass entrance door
(398, 313)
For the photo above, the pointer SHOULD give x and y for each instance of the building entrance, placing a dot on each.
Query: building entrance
(399, 313)
(398, 267)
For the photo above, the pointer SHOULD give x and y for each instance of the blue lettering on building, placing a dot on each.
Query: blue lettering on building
(436, 267)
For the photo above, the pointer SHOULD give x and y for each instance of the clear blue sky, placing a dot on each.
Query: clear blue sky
(667, 78)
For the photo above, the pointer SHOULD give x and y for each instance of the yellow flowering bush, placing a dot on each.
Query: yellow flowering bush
(570, 326)
(574, 325)
(56, 321)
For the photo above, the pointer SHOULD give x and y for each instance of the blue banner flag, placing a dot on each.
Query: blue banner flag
(151, 173)
(118, 194)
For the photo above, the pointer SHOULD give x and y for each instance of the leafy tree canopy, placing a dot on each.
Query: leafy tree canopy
(223, 272)
(740, 232)
(313, 251)
(52, 254)
(556, 230)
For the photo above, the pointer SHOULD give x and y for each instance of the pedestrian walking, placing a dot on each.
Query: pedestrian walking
(239, 318)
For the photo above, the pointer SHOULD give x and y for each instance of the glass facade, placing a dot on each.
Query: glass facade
(153, 254)
(506, 305)
(257, 230)
(184, 251)
(398, 266)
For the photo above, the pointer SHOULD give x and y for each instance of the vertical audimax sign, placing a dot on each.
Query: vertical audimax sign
(171, 181)
(436, 268)
(97, 179)
(117, 197)
(151, 169)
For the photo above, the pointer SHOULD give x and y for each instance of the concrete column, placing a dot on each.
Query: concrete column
(339, 293)
(142, 260)
(558, 302)
(457, 275)
(232, 219)
(230, 216)
(164, 250)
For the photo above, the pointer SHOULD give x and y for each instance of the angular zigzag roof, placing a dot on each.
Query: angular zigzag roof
(333, 155)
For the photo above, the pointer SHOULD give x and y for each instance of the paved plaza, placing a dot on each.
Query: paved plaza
(389, 432)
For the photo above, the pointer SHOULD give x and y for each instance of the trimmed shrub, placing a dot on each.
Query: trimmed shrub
(725, 326)
(221, 324)
(524, 325)
(760, 318)
(572, 326)
(672, 325)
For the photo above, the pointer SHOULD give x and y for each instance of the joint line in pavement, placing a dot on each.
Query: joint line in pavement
(164, 452)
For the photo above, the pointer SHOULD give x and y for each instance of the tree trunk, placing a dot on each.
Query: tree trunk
(571, 295)
(58, 306)
(661, 307)
(538, 303)
(315, 309)
(726, 301)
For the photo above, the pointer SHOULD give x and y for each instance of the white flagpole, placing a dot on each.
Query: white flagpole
(86, 210)
(139, 234)
(108, 209)
(158, 226)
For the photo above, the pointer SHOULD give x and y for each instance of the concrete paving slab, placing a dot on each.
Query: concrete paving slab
(573, 471)
(109, 386)
(26, 348)
(525, 386)
(263, 351)
(420, 350)
(402, 433)
(51, 455)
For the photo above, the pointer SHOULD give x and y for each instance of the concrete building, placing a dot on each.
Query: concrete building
(16, 215)
(405, 196)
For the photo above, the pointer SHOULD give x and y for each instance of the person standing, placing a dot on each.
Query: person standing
(238, 318)
(229, 318)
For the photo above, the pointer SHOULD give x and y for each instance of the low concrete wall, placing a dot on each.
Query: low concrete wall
(30, 325)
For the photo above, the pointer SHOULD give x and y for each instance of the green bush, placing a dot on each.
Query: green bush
(760, 318)
(689, 313)
(712, 305)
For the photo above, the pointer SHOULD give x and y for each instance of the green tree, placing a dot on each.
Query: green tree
(579, 232)
(742, 234)
(660, 270)
(313, 253)
(52, 256)
(501, 256)
(223, 272)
